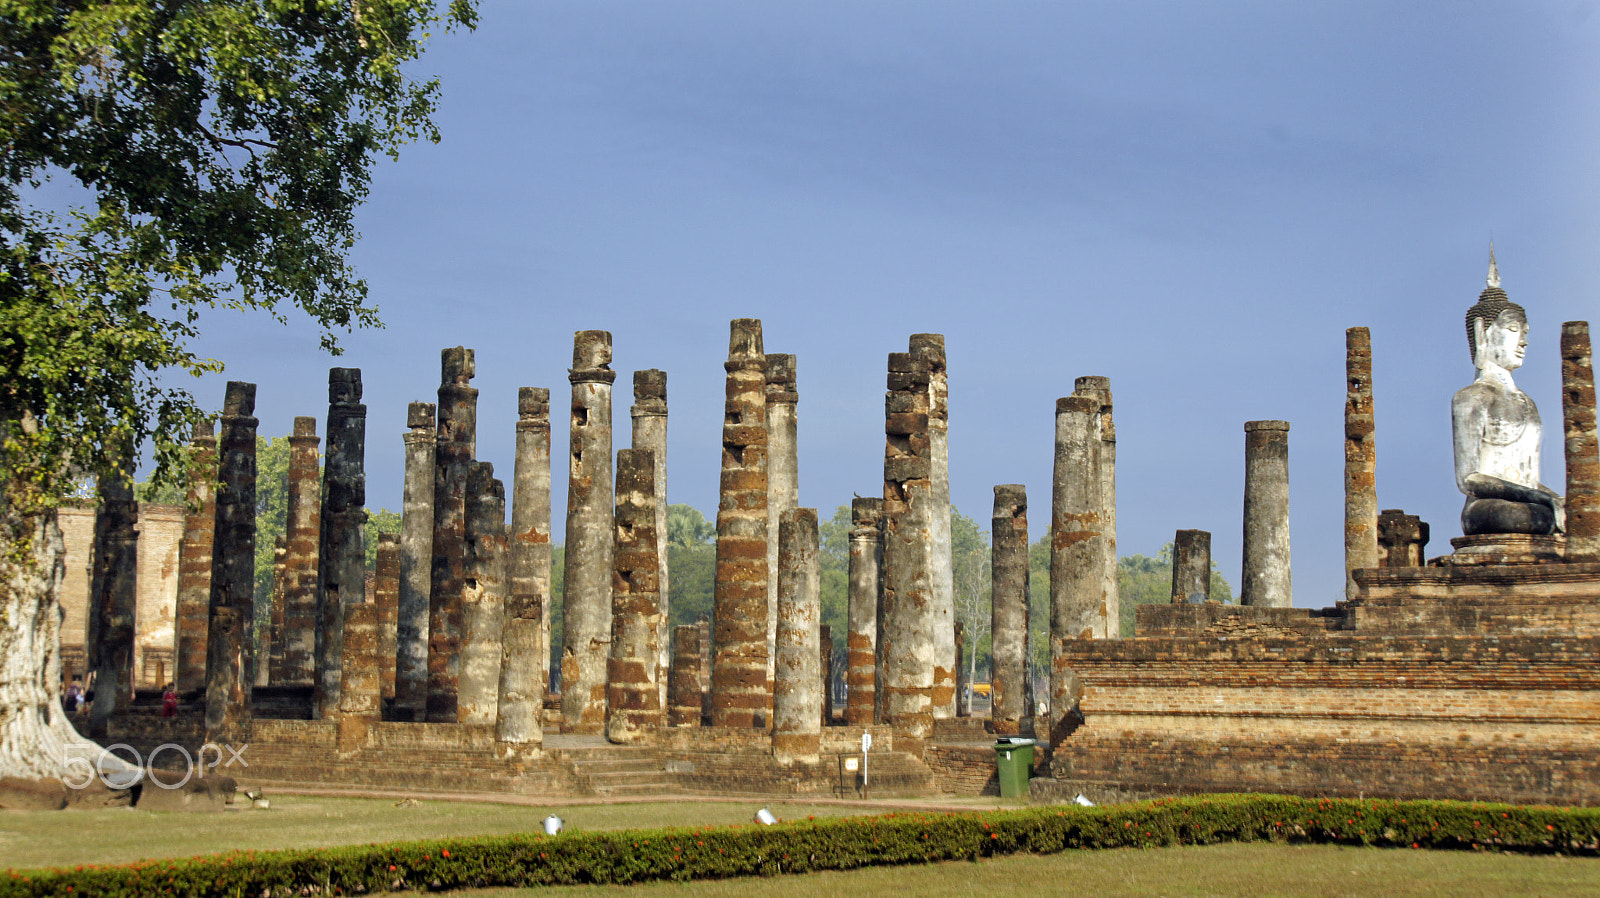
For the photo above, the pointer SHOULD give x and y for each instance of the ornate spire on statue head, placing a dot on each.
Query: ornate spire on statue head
(1494, 271)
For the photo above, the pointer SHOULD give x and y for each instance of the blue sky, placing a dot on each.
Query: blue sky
(1195, 200)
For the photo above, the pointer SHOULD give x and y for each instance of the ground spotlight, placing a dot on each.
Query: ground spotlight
(765, 818)
(552, 825)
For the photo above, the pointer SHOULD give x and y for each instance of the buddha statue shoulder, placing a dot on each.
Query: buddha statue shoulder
(1496, 427)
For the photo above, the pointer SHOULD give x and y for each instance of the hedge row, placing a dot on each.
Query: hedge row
(838, 843)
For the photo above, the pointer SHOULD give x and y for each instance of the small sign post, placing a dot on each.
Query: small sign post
(866, 743)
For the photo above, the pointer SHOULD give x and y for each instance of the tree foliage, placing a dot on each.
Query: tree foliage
(165, 157)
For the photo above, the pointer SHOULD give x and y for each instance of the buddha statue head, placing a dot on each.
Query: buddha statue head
(1497, 328)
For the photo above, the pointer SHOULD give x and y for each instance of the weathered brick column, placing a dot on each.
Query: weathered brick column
(454, 448)
(269, 650)
(229, 662)
(1402, 539)
(1266, 578)
(360, 705)
(1008, 564)
(941, 572)
(633, 696)
(825, 657)
(114, 598)
(525, 661)
(963, 674)
(783, 477)
(739, 688)
(1583, 465)
(650, 434)
(1191, 565)
(866, 556)
(192, 618)
(906, 627)
(683, 708)
(483, 597)
(797, 698)
(416, 564)
(704, 626)
(1360, 459)
(386, 592)
(301, 572)
(1099, 389)
(591, 551)
(342, 551)
(1077, 551)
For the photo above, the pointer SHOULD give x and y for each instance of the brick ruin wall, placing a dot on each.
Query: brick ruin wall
(1513, 718)
(160, 530)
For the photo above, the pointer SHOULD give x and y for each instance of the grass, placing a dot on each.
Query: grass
(1254, 869)
(121, 835)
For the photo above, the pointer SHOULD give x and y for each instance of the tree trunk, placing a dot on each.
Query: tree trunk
(37, 741)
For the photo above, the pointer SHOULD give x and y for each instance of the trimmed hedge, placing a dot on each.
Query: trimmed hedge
(837, 843)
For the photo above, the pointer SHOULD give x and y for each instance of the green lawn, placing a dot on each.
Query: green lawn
(1255, 870)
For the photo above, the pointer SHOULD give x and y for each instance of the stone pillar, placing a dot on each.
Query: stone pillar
(483, 597)
(1077, 551)
(386, 592)
(941, 573)
(825, 658)
(360, 705)
(683, 708)
(797, 712)
(114, 597)
(229, 662)
(454, 448)
(269, 658)
(1583, 465)
(525, 659)
(783, 477)
(1402, 539)
(633, 697)
(1099, 388)
(907, 627)
(590, 556)
(1008, 562)
(866, 555)
(1360, 459)
(739, 686)
(650, 434)
(704, 626)
(1191, 565)
(1265, 580)
(301, 573)
(963, 675)
(416, 565)
(194, 563)
(342, 551)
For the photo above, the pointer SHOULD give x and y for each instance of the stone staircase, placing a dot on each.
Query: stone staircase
(616, 770)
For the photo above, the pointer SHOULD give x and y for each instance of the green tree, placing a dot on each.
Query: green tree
(381, 521)
(687, 527)
(970, 558)
(211, 154)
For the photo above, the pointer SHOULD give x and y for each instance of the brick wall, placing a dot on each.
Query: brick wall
(160, 530)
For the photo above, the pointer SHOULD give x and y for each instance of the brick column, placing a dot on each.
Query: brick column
(301, 572)
(1191, 565)
(906, 627)
(797, 697)
(342, 551)
(1077, 551)
(683, 692)
(1360, 459)
(1402, 539)
(269, 657)
(590, 556)
(454, 448)
(739, 690)
(1266, 579)
(229, 663)
(825, 643)
(866, 557)
(1008, 565)
(483, 598)
(1583, 465)
(525, 661)
(650, 434)
(941, 571)
(963, 676)
(416, 565)
(114, 597)
(386, 592)
(783, 477)
(1099, 389)
(360, 705)
(633, 697)
(194, 564)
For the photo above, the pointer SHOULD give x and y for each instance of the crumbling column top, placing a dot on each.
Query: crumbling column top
(591, 357)
(1009, 496)
(305, 426)
(866, 511)
(649, 392)
(420, 415)
(533, 402)
(1081, 405)
(457, 365)
(782, 383)
(239, 400)
(929, 348)
(344, 385)
(1253, 426)
(744, 341)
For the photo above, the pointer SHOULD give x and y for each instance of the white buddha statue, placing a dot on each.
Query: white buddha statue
(1496, 427)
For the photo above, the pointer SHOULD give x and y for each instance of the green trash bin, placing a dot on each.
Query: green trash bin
(1015, 762)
